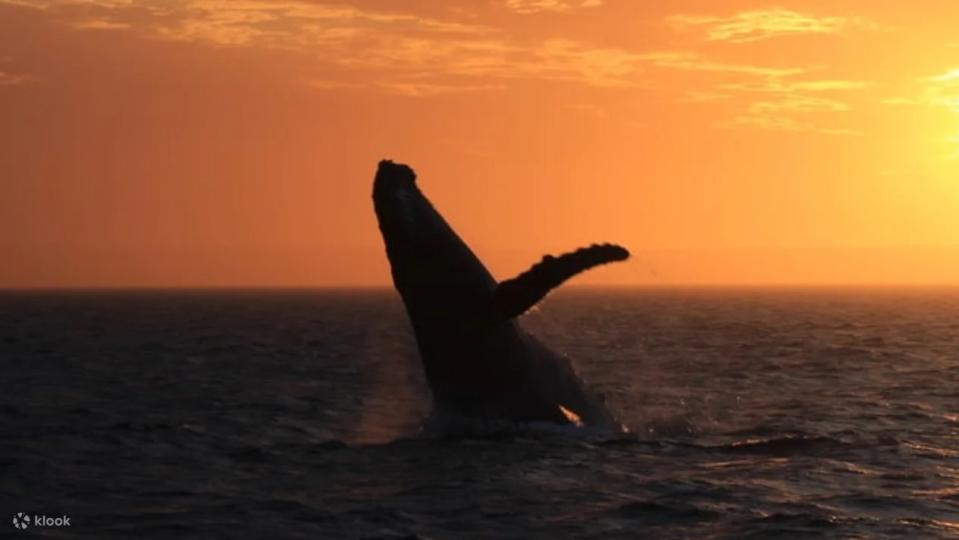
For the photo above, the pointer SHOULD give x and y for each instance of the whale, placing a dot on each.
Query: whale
(479, 362)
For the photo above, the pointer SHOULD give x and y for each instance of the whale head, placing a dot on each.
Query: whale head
(434, 271)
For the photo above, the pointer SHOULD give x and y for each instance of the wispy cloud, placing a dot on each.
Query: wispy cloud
(798, 103)
(599, 66)
(437, 54)
(400, 52)
(951, 76)
(940, 90)
(789, 112)
(399, 43)
(782, 98)
(538, 6)
(421, 89)
(953, 142)
(10, 79)
(49, 4)
(901, 101)
(415, 89)
(780, 86)
(785, 123)
(397, 46)
(100, 24)
(768, 98)
(295, 24)
(756, 25)
(943, 90)
(783, 103)
(333, 84)
(701, 96)
(691, 61)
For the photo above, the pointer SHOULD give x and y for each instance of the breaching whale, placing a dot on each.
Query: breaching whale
(479, 362)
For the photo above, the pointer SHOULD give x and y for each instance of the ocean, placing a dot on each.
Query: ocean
(753, 413)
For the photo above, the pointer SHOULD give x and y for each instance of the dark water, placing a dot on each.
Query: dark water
(756, 414)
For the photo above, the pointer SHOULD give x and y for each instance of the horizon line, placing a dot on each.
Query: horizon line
(359, 287)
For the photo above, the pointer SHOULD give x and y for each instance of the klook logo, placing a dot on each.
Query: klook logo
(22, 521)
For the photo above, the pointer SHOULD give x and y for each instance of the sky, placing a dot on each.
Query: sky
(233, 143)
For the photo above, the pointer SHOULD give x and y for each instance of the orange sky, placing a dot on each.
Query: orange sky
(215, 142)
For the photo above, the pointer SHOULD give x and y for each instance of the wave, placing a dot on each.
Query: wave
(783, 446)
(446, 424)
(656, 511)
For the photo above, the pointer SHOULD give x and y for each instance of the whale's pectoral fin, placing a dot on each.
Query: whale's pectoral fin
(514, 296)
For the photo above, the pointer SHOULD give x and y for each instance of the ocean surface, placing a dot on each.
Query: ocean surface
(295, 414)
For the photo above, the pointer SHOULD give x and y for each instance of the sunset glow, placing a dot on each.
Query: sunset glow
(227, 143)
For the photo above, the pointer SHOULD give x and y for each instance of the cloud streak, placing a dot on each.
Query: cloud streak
(783, 104)
(943, 90)
(436, 54)
(690, 61)
(539, 6)
(10, 79)
(940, 91)
(418, 89)
(779, 86)
(402, 53)
(785, 123)
(758, 25)
(398, 46)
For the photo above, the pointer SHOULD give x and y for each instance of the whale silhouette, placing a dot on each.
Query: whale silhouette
(479, 362)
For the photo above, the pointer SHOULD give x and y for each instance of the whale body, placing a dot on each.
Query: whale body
(478, 361)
